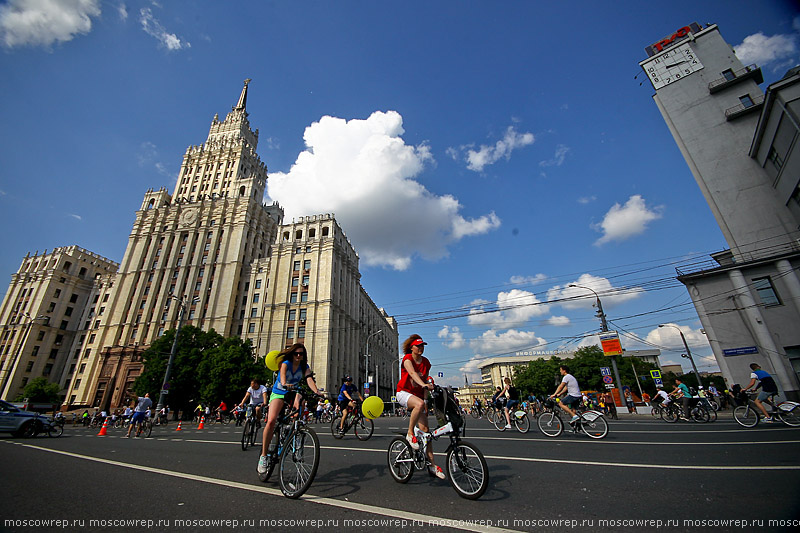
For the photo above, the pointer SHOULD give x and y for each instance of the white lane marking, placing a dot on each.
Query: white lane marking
(372, 509)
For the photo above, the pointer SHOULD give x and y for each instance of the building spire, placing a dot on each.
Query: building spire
(243, 98)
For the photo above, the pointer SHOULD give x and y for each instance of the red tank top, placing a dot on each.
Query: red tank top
(408, 384)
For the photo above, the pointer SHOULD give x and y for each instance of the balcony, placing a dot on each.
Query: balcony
(748, 72)
(743, 109)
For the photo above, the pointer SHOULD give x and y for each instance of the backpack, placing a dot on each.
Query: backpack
(445, 407)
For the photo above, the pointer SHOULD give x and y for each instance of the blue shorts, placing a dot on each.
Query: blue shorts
(764, 395)
(138, 417)
(571, 401)
(511, 404)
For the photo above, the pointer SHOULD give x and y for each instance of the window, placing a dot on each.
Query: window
(290, 333)
(301, 332)
(746, 101)
(105, 298)
(40, 336)
(51, 307)
(102, 310)
(255, 298)
(766, 291)
(258, 284)
(295, 282)
(293, 298)
(325, 232)
(53, 353)
(82, 368)
(68, 311)
(296, 265)
(292, 314)
(254, 312)
(92, 337)
(304, 296)
(302, 314)
(307, 264)
(35, 351)
(251, 327)
(64, 324)
(191, 314)
(55, 294)
(29, 367)
(306, 279)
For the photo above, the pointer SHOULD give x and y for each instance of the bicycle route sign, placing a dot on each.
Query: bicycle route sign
(605, 371)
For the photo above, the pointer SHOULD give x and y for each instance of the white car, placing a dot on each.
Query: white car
(18, 422)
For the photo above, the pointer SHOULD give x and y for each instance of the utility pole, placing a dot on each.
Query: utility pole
(688, 353)
(165, 386)
(366, 356)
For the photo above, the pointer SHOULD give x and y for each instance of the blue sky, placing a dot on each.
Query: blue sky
(481, 156)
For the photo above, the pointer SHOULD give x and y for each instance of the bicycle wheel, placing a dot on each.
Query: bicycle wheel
(55, 430)
(745, 416)
(364, 428)
(467, 470)
(655, 412)
(249, 429)
(700, 414)
(790, 417)
(148, 428)
(550, 424)
(669, 414)
(594, 424)
(474, 413)
(299, 462)
(523, 423)
(499, 421)
(335, 427)
(712, 413)
(401, 460)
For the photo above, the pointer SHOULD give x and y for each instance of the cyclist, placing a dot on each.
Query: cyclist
(568, 385)
(293, 370)
(513, 399)
(664, 397)
(477, 406)
(768, 388)
(411, 391)
(256, 392)
(346, 401)
(143, 404)
(682, 393)
(222, 410)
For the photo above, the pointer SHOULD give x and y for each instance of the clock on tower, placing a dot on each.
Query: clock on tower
(671, 65)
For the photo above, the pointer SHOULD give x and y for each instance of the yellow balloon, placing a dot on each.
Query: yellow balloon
(372, 407)
(272, 361)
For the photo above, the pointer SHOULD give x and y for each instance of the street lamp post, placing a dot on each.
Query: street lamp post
(9, 366)
(688, 354)
(366, 356)
(604, 325)
(164, 391)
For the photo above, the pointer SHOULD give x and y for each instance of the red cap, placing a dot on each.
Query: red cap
(417, 342)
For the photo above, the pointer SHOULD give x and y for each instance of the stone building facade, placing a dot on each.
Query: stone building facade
(215, 252)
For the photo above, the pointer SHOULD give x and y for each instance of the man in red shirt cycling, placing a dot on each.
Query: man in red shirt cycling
(411, 391)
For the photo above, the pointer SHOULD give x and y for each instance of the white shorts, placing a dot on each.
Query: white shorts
(403, 396)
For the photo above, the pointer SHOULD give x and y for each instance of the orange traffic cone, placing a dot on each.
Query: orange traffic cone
(201, 426)
(104, 429)
(179, 426)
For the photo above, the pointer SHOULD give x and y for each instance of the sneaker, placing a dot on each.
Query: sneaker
(768, 419)
(508, 426)
(412, 440)
(437, 471)
(684, 418)
(262, 464)
(573, 419)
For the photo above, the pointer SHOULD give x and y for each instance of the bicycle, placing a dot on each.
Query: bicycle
(697, 412)
(41, 424)
(362, 426)
(592, 423)
(145, 427)
(251, 425)
(466, 467)
(749, 416)
(295, 448)
(519, 419)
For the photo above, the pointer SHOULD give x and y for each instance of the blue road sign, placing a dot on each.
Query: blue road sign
(605, 371)
(659, 383)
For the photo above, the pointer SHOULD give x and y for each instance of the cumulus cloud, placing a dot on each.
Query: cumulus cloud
(558, 321)
(557, 159)
(528, 280)
(586, 199)
(43, 22)
(362, 171)
(154, 28)
(670, 337)
(486, 155)
(625, 221)
(776, 50)
(580, 298)
(490, 342)
(471, 366)
(512, 309)
(454, 339)
(122, 11)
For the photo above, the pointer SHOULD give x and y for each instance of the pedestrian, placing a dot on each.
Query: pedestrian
(629, 401)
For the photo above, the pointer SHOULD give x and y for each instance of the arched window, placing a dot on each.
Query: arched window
(151, 203)
(241, 190)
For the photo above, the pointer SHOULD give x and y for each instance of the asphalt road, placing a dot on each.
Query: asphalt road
(645, 476)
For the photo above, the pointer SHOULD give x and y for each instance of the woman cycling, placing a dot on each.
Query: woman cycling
(293, 369)
(513, 399)
(411, 393)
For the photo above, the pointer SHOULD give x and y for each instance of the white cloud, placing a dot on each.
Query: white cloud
(488, 155)
(43, 22)
(122, 11)
(580, 298)
(455, 337)
(670, 337)
(558, 157)
(558, 321)
(625, 221)
(154, 28)
(763, 50)
(362, 171)
(76, 217)
(528, 280)
(512, 309)
(586, 199)
(512, 340)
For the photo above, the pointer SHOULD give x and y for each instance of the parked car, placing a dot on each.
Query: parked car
(18, 422)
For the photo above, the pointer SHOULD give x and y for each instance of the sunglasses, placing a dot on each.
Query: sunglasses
(299, 353)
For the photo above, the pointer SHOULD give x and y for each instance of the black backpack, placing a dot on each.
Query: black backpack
(445, 406)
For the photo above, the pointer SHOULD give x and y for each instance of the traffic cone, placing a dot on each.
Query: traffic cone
(104, 429)
(201, 426)
(179, 426)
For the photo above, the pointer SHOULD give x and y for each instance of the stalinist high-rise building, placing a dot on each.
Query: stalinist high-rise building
(214, 252)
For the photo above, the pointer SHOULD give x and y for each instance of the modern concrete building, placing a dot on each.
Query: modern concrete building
(213, 255)
(739, 144)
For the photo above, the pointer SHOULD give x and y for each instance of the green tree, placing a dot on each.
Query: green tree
(539, 377)
(227, 369)
(40, 390)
